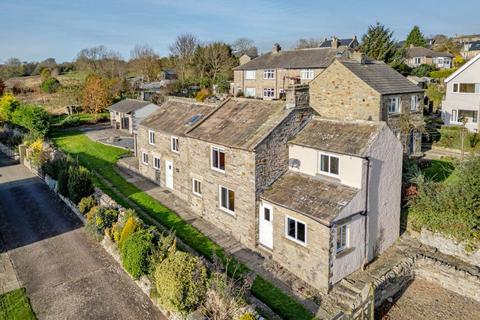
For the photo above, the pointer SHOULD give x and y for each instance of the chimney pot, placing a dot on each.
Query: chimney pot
(334, 43)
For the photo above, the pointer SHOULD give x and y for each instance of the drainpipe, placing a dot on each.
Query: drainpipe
(365, 214)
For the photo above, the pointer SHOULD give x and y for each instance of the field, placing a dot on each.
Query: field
(54, 103)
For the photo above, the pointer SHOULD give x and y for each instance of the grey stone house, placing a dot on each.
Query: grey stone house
(269, 75)
(358, 88)
(126, 114)
(283, 182)
(416, 56)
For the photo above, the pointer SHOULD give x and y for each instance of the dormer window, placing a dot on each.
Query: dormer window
(329, 164)
(269, 74)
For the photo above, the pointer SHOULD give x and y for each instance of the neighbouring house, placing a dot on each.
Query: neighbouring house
(462, 97)
(467, 38)
(149, 89)
(338, 205)
(268, 76)
(126, 114)
(351, 43)
(321, 197)
(416, 56)
(358, 88)
(470, 49)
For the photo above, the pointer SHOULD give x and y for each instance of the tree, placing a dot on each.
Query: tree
(213, 64)
(183, 50)
(96, 94)
(378, 44)
(243, 46)
(13, 68)
(100, 60)
(144, 60)
(415, 38)
(448, 45)
(2, 87)
(308, 43)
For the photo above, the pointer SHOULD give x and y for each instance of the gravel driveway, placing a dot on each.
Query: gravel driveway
(67, 274)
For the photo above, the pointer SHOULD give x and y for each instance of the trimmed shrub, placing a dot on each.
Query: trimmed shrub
(442, 74)
(422, 70)
(105, 218)
(86, 204)
(50, 85)
(92, 214)
(131, 225)
(181, 282)
(79, 183)
(62, 182)
(166, 245)
(8, 104)
(136, 251)
(32, 118)
(55, 166)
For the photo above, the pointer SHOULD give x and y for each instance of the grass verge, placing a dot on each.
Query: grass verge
(102, 158)
(14, 305)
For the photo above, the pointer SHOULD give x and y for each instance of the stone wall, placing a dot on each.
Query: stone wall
(449, 246)
(271, 156)
(309, 262)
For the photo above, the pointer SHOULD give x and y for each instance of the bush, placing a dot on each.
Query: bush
(442, 74)
(79, 183)
(50, 85)
(240, 94)
(32, 118)
(62, 182)
(118, 226)
(8, 104)
(131, 225)
(422, 70)
(248, 316)
(86, 204)
(136, 251)
(70, 121)
(181, 281)
(55, 166)
(202, 95)
(105, 218)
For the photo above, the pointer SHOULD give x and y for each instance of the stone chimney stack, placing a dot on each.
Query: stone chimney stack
(297, 96)
(358, 57)
(276, 48)
(334, 43)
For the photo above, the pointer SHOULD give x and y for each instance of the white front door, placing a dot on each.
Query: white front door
(169, 174)
(265, 225)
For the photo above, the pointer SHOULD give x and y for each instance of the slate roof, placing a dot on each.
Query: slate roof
(317, 198)
(425, 52)
(241, 123)
(294, 59)
(128, 105)
(177, 116)
(341, 42)
(381, 77)
(474, 46)
(345, 137)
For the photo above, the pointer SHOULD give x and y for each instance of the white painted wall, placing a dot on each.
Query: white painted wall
(350, 167)
(463, 101)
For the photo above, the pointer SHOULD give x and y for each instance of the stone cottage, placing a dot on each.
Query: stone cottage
(287, 184)
(126, 114)
(269, 75)
(363, 89)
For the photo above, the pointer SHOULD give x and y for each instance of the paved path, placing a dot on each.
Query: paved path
(67, 274)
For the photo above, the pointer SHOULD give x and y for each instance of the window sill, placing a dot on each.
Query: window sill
(344, 252)
(197, 194)
(217, 170)
(229, 212)
(295, 241)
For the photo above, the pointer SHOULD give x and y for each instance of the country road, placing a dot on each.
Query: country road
(67, 275)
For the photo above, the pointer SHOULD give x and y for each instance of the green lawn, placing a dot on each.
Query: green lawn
(14, 305)
(77, 119)
(438, 170)
(102, 158)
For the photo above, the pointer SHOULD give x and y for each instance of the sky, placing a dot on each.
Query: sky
(35, 30)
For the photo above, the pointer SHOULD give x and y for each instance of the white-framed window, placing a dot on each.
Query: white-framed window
(418, 60)
(440, 61)
(174, 144)
(306, 74)
(269, 74)
(268, 92)
(393, 104)
(343, 232)
(250, 92)
(296, 230)
(414, 103)
(453, 116)
(156, 163)
(467, 87)
(197, 187)
(250, 75)
(329, 164)
(226, 199)
(218, 159)
(145, 158)
(151, 137)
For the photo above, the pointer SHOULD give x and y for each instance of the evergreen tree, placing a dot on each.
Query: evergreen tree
(378, 44)
(415, 38)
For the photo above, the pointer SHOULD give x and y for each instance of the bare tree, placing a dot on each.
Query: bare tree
(145, 61)
(243, 46)
(308, 43)
(100, 60)
(183, 50)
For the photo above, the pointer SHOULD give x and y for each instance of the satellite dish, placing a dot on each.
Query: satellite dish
(294, 163)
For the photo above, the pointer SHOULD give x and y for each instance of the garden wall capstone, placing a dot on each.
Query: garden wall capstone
(449, 246)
